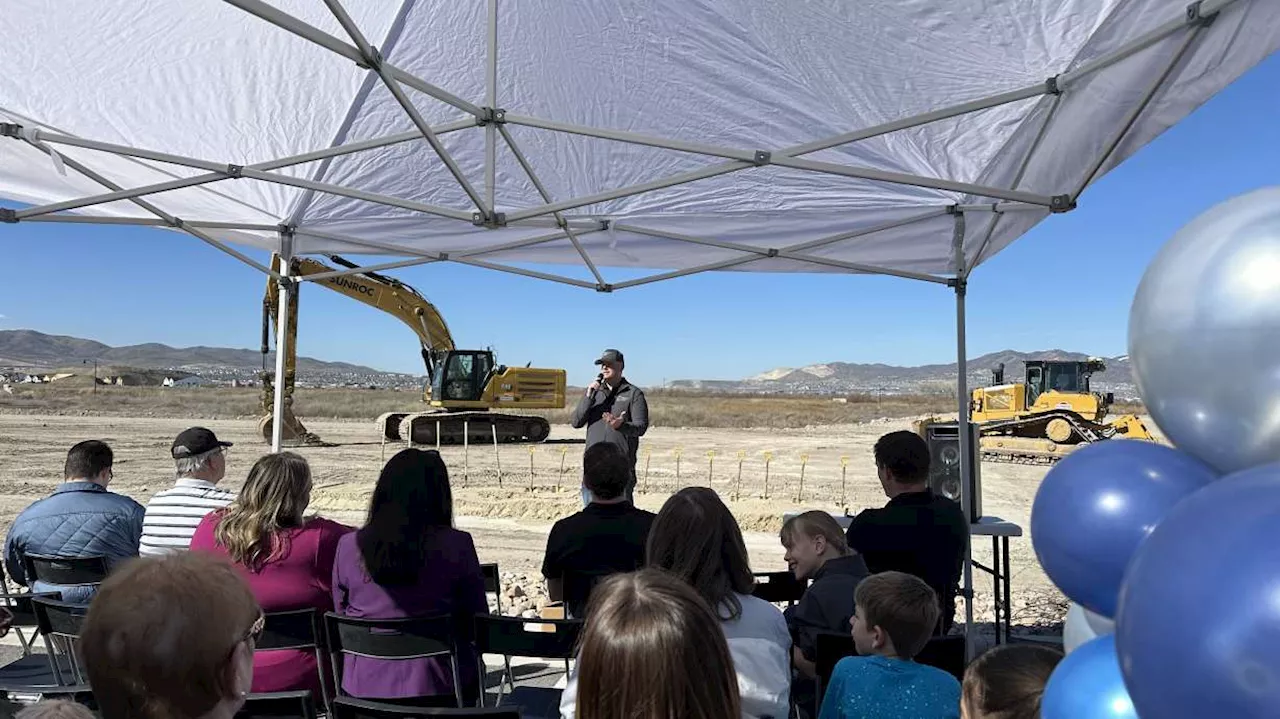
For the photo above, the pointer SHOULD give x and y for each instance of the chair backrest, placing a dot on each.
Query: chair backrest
(410, 638)
(66, 571)
(577, 587)
(278, 705)
(828, 649)
(293, 629)
(778, 587)
(20, 606)
(492, 582)
(516, 637)
(946, 653)
(348, 708)
(56, 618)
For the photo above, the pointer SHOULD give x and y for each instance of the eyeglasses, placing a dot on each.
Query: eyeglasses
(254, 633)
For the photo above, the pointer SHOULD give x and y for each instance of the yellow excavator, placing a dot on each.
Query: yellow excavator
(462, 385)
(1047, 415)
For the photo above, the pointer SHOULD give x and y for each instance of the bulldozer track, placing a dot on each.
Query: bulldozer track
(1013, 457)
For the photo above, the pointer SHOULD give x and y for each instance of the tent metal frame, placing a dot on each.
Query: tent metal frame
(493, 119)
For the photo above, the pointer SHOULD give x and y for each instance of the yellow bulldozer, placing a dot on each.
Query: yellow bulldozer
(462, 388)
(1047, 415)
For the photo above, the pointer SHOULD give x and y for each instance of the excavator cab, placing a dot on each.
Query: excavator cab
(462, 375)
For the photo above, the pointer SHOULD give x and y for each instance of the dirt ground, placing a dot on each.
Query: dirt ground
(508, 509)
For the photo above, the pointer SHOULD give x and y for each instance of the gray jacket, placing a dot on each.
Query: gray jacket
(626, 398)
(80, 519)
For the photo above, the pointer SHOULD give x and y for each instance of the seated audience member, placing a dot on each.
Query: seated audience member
(55, 709)
(173, 514)
(409, 561)
(1007, 682)
(607, 536)
(697, 540)
(80, 519)
(895, 617)
(917, 531)
(171, 637)
(286, 557)
(652, 649)
(816, 552)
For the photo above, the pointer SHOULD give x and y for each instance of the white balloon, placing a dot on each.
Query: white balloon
(1083, 625)
(1204, 334)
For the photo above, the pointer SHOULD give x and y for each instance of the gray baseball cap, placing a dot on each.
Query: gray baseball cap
(611, 356)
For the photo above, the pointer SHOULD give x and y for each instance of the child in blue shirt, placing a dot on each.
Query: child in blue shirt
(895, 616)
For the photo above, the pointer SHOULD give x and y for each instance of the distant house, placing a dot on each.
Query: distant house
(192, 381)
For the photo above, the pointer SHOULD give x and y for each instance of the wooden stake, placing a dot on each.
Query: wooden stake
(844, 468)
(737, 485)
(768, 457)
(497, 458)
(804, 459)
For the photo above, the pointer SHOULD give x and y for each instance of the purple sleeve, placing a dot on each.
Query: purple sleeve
(326, 551)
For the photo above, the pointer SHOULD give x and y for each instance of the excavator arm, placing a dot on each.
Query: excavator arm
(378, 291)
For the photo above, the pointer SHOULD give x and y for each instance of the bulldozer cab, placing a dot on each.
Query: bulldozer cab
(462, 376)
(1064, 377)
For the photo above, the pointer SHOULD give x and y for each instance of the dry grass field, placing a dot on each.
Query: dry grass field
(766, 456)
(668, 408)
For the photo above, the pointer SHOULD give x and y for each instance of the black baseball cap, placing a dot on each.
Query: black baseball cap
(610, 356)
(196, 440)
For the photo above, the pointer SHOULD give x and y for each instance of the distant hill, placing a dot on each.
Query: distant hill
(20, 348)
(845, 377)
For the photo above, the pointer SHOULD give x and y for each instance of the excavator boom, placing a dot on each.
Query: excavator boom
(513, 387)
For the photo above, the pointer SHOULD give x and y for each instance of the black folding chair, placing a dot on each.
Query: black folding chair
(278, 705)
(30, 670)
(295, 629)
(493, 585)
(21, 695)
(518, 637)
(778, 587)
(58, 620)
(945, 653)
(396, 640)
(828, 649)
(67, 571)
(348, 708)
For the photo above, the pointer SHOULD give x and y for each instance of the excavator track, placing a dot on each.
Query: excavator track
(479, 427)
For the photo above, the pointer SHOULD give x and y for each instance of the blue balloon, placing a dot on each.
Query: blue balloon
(1096, 506)
(1199, 624)
(1087, 684)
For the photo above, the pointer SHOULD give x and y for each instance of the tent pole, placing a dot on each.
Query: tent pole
(963, 428)
(287, 290)
(491, 98)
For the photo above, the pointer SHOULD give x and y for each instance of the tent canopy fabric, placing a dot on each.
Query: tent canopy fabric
(909, 137)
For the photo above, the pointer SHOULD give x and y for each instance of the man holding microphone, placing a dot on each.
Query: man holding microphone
(615, 411)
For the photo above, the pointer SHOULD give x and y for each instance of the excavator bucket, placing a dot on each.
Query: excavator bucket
(295, 434)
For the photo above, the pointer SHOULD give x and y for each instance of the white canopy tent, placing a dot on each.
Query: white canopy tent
(913, 138)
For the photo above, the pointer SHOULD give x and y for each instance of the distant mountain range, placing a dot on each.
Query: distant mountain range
(845, 377)
(28, 348)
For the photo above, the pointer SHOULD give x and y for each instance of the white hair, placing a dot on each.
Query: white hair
(188, 466)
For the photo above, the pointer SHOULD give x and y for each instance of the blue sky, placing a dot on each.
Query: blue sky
(122, 285)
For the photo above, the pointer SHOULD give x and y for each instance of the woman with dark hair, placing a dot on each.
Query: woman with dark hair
(653, 650)
(696, 539)
(409, 561)
(285, 555)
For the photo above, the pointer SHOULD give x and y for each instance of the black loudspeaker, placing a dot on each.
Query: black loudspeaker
(944, 465)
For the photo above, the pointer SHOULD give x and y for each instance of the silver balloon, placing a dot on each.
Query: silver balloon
(1204, 334)
(1082, 626)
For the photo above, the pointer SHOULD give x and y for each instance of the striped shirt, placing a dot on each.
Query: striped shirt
(172, 515)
